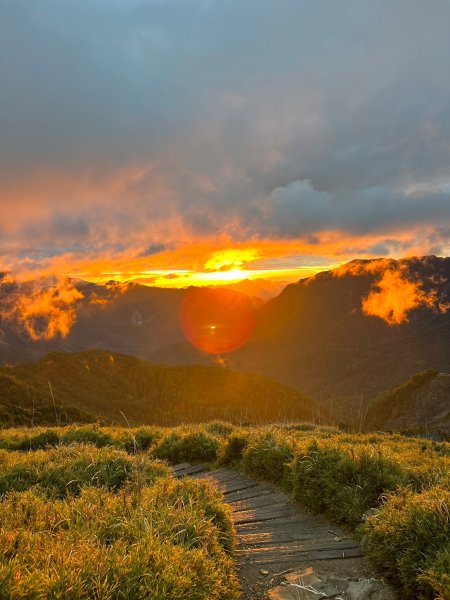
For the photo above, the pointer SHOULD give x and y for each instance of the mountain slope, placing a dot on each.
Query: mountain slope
(122, 387)
(422, 404)
(127, 318)
(315, 336)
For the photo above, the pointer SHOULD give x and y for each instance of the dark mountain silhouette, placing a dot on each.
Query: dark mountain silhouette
(97, 383)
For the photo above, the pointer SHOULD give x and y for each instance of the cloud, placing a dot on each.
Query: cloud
(394, 297)
(41, 309)
(396, 290)
(138, 125)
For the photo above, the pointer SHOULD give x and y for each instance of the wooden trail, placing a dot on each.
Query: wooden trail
(274, 533)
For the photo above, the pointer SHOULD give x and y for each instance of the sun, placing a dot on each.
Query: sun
(231, 259)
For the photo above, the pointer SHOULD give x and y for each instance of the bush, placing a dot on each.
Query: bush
(46, 439)
(65, 471)
(328, 480)
(168, 541)
(140, 439)
(83, 435)
(219, 428)
(268, 456)
(196, 446)
(437, 574)
(410, 539)
(232, 450)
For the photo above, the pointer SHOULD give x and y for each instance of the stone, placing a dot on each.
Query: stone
(364, 589)
(305, 585)
(372, 512)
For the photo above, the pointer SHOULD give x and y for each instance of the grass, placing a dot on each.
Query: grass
(334, 473)
(81, 522)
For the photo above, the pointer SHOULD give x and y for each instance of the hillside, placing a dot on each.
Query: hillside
(420, 405)
(120, 387)
(128, 318)
(313, 336)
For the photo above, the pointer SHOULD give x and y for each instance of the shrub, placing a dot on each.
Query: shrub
(219, 428)
(268, 456)
(437, 573)
(46, 439)
(328, 480)
(196, 446)
(84, 435)
(64, 472)
(163, 543)
(232, 450)
(410, 539)
(140, 439)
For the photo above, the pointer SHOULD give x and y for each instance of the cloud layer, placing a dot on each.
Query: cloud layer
(132, 129)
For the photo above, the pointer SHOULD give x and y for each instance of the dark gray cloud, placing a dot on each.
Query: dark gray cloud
(156, 120)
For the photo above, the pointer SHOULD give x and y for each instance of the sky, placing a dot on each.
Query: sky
(196, 141)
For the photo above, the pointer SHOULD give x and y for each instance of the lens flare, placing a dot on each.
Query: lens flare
(216, 320)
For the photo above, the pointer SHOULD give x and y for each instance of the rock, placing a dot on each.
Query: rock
(372, 512)
(264, 572)
(305, 585)
(369, 589)
(308, 586)
(340, 584)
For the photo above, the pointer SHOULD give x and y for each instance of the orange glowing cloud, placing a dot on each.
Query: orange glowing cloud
(395, 293)
(394, 298)
(192, 263)
(41, 309)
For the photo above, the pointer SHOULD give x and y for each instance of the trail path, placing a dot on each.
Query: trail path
(280, 543)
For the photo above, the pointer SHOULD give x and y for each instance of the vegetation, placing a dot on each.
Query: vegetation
(146, 534)
(399, 398)
(331, 472)
(62, 388)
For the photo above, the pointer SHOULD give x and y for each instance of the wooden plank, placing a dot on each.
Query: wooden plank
(259, 490)
(232, 484)
(189, 471)
(259, 501)
(292, 547)
(222, 476)
(181, 466)
(231, 478)
(263, 514)
(301, 557)
(294, 525)
(271, 528)
(279, 537)
(235, 486)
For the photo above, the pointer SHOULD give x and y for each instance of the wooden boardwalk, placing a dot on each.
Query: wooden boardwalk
(275, 535)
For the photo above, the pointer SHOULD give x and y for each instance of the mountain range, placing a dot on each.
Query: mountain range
(66, 387)
(319, 335)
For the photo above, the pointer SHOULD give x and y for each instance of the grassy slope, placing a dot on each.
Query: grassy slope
(146, 534)
(331, 472)
(108, 384)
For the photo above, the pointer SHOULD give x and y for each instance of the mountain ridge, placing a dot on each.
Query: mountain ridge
(102, 384)
(318, 335)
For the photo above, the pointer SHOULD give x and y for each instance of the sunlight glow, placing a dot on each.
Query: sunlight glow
(216, 320)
